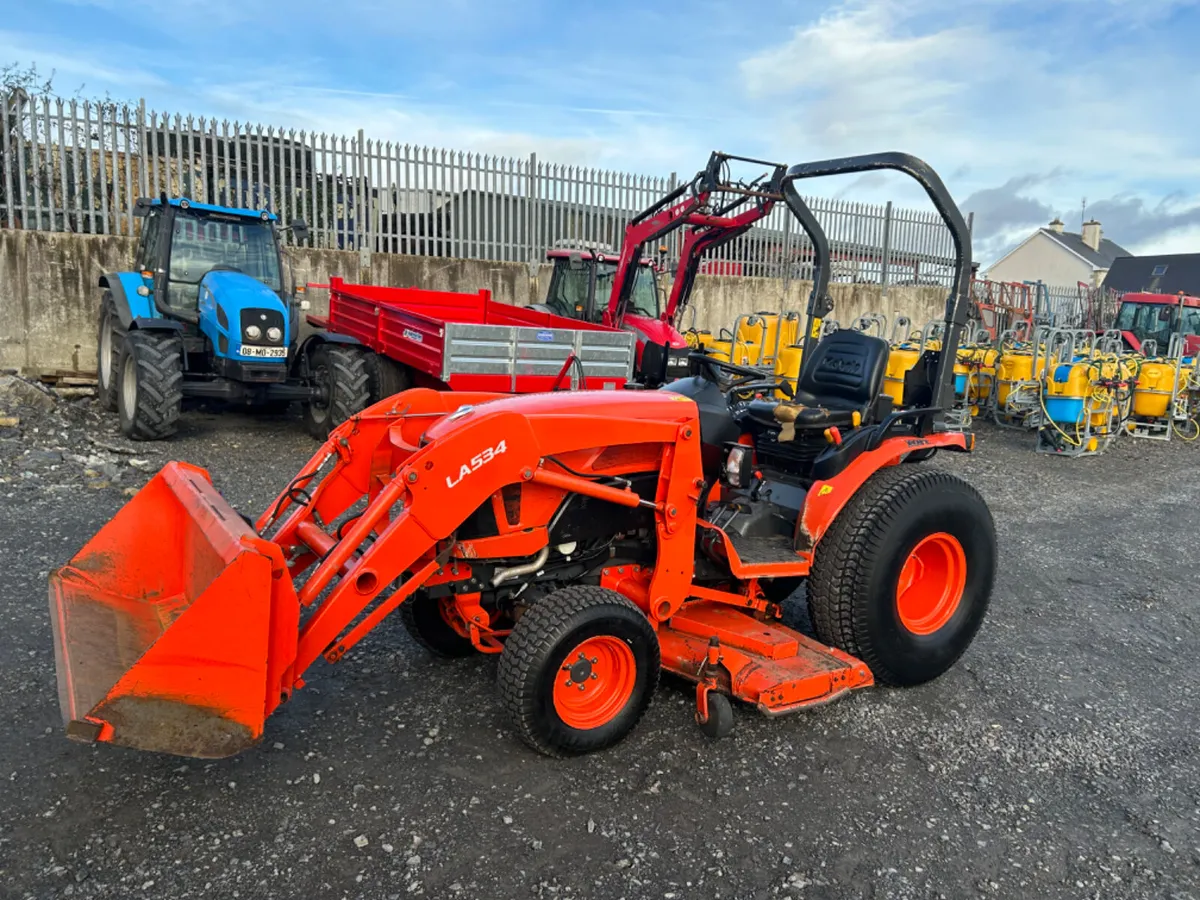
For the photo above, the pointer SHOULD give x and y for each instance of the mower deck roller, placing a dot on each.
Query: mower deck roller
(591, 539)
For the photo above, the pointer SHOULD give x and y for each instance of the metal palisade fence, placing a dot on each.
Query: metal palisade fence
(77, 166)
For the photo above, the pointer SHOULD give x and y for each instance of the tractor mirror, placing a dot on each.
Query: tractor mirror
(141, 207)
(575, 260)
(299, 230)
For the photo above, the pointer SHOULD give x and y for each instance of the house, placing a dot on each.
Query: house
(1165, 274)
(1058, 257)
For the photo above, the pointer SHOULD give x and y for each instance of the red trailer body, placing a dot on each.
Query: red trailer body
(469, 342)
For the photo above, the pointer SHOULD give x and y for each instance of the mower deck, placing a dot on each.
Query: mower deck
(774, 667)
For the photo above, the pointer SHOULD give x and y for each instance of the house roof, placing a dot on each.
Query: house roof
(1101, 259)
(1175, 272)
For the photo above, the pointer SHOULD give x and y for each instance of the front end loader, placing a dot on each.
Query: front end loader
(589, 558)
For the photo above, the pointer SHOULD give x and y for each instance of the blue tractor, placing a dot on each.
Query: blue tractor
(207, 313)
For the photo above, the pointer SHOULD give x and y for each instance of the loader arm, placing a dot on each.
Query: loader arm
(409, 524)
(701, 240)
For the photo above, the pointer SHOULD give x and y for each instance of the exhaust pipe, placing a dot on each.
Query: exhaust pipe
(503, 575)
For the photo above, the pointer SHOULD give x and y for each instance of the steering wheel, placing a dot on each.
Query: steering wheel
(746, 378)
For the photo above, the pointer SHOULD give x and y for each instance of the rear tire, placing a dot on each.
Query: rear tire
(579, 670)
(342, 373)
(109, 339)
(150, 378)
(387, 377)
(902, 578)
(423, 620)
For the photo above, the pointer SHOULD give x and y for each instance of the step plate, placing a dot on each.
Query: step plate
(774, 667)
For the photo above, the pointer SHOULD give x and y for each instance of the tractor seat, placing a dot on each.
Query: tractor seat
(844, 377)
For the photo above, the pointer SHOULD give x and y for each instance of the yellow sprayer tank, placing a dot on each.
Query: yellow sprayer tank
(1012, 368)
(1154, 388)
(762, 331)
(979, 366)
(698, 339)
(902, 358)
(1068, 390)
(787, 365)
(723, 350)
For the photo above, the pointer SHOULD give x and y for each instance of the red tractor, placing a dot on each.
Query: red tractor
(1156, 317)
(592, 539)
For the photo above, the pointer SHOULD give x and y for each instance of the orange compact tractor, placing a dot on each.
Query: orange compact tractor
(592, 539)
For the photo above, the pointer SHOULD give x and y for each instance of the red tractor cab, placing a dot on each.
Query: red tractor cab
(581, 288)
(1156, 317)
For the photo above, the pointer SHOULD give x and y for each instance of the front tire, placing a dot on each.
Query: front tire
(151, 385)
(342, 374)
(902, 578)
(109, 340)
(579, 670)
(423, 620)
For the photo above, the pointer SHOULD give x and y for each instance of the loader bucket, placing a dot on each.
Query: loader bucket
(175, 627)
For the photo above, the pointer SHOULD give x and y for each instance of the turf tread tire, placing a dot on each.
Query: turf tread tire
(533, 643)
(839, 598)
(158, 357)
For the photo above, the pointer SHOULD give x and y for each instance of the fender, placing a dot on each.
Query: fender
(130, 305)
(156, 324)
(300, 358)
(826, 499)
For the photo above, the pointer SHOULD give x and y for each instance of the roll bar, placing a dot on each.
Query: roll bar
(958, 303)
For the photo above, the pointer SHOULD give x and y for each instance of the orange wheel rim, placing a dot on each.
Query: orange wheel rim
(594, 682)
(931, 583)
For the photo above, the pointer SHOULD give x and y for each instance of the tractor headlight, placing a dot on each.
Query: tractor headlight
(738, 465)
(253, 332)
(274, 335)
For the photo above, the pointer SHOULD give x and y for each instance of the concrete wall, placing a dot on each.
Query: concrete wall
(49, 297)
(720, 299)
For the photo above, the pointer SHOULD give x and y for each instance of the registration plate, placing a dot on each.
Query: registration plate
(265, 352)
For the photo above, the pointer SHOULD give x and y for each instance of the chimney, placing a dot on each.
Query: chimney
(1091, 234)
(1057, 226)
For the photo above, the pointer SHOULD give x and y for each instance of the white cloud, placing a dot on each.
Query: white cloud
(1179, 240)
(974, 90)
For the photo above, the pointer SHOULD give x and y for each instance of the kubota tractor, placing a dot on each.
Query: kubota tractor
(590, 538)
(208, 312)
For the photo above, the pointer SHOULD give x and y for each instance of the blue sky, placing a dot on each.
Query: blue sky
(1026, 108)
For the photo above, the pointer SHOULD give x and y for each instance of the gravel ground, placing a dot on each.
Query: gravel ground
(1058, 759)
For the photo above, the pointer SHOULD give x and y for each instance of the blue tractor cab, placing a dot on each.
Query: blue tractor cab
(207, 312)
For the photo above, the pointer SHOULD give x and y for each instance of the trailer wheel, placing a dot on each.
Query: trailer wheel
(387, 377)
(903, 576)
(423, 620)
(109, 340)
(578, 670)
(151, 384)
(341, 373)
